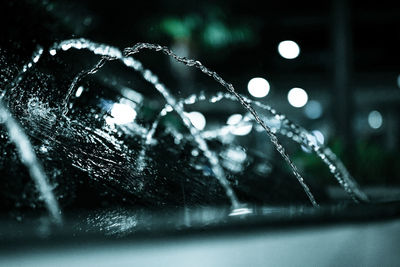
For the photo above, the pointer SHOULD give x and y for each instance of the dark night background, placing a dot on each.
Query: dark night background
(349, 60)
(173, 212)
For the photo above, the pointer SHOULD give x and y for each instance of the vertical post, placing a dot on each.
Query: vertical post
(342, 69)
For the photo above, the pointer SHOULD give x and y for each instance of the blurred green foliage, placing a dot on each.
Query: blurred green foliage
(371, 164)
(211, 32)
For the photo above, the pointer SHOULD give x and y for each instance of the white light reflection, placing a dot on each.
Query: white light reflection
(240, 211)
(313, 109)
(121, 114)
(315, 137)
(297, 97)
(242, 126)
(258, 87)
(197, 119)
(375, 119)
(131, 94)
(234, 119)
(235, 154)
(79, 91)
(318, 136)
(233, 159)
(288, 49)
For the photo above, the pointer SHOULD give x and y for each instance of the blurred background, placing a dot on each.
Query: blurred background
(330, 66)
(344, 55)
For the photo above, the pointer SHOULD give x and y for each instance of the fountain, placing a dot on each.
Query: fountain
(108, 53)
(28, 158)
(298, 135)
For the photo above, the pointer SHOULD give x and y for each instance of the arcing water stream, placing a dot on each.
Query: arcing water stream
(29, 159)
(298, 135)
(108, 53)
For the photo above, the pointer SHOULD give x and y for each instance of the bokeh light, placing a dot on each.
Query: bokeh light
(122, 114)
(288, 49)
(297, 97)
(313, 109)
(234, 119)
(375, 119)
(319, 137)
(258, 87)
(243, 126)
(197, 119)
(79, 91)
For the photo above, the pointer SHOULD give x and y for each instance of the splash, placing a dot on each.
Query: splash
(141, 165)
(110, 53)
(21, 74)
(24, 146)
(113, 53)
(294, 132)
(229, 87)
(285, 127)
(29, 159)
(288, 128)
